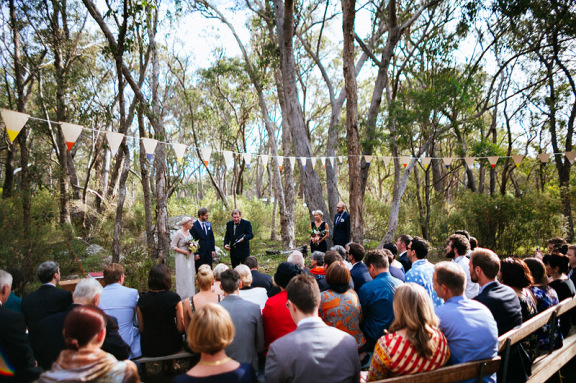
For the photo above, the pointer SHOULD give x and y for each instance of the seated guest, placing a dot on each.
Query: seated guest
(330, 257)
(120, 302)
(342, 253)
(421, 271)
(396, 271)
(204, 281)
(557, 268)
(210, 332)
(45, 301)
(359, 272)
(415, 343)
(376, 297)
(571, 254)
(296, 258)
(401, 244)
(276, 317)
(160, 315)
(516, 274)
(247, 292)
(14, 348)
(83, 360)
(546, 297)
(249, 339)
(468, 325)
(50, 340)
(14, 302)
(314, 352)
(317, 265)
(259, 279)
(218, 269)
(340, 306)
(394, 263)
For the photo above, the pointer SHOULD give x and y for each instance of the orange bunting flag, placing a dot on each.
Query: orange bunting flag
(180, 150)
(447, 161)
(247, 158)
(228, 157)
(280, 161)
(114, 140)
(518, 159)
(14, 122)
(71, 133)
(493, 160)
(323, 160)
(544, 158)
(368, 159)
(405, 161)
(149, 147)
(264, 158)
(571, 156)
(469, 161)
(205, 155)
(426, 162)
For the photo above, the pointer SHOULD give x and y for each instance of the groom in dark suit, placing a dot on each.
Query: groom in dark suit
(202, 232)
(341, 234)
(236, 240)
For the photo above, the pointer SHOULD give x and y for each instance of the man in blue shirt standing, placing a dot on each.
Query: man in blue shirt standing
(376, 297)
(421, 271)
(468, 325)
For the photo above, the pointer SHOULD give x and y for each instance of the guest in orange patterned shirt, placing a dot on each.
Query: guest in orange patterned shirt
(415, 343)
(340, 306)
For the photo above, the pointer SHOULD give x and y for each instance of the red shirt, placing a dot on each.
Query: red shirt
(277, 319)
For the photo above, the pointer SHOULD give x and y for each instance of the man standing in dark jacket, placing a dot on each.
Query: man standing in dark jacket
(341, 234)
(237, 238)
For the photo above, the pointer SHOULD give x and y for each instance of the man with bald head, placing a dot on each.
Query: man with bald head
(341, 234)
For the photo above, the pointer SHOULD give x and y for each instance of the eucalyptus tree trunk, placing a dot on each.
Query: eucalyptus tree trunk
(145, 180)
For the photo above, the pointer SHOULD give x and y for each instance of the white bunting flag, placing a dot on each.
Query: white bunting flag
(571, 156)
(179, 150)
(332, 161)
(14, 122)
(247, 158)
(71, 133)
(493, 160)
(280, 162)
(228, 157)
(313, 161)
(368, 159)
(323, 160)
(264, 158)
(387, 160)
(303, 162)
(447, 161)
(114, 140)
(405, 161)
(292, 162)
(341, 158)
(544, 158)
(205, 154)
(426, 162)
(469, 161)
(518, 159)
(149, 147)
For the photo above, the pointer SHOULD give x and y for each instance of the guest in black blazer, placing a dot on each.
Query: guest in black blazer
(202, 232)
(341, 234)
(51, 341)
(13, 343)
(359, 271)
(45, 301)
(504, 304)
(260, 279)
(237, 238)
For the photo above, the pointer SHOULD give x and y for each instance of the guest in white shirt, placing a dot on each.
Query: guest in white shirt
(456, 249)
(257, 295)
(120, 302)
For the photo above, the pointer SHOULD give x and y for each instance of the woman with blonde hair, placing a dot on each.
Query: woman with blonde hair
(414, 343)
(184, 259)
(204, 281)
(218, 270)
(211, 330)
(256, 295)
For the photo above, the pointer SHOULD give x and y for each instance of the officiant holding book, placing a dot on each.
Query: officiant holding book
(237, 238)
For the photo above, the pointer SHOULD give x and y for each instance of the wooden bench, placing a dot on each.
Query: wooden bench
(468, 370)
(151, 359)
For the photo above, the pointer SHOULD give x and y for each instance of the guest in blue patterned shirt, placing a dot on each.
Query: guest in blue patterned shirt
(422, 271)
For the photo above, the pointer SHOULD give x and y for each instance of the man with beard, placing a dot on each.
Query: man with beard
(456, 249)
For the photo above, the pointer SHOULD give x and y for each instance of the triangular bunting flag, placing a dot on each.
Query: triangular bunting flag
(544, 158)
(247, 158)
(71, 133)
(447, 161)
(280, 162)
(313, 160)
(205, 154)
(14, 122)
(426, 162)
(149, 147)
(387, 160)
(518, 159)
(323, 160)
(180, 150)
(469, 161)
(368, 159)
(303, 162)
(332, 161)
(114, 140)
(341, 158)
(228, 157)
(264, 158)
(493, 160)
(292, 162)
(571, 156)
(405, 161)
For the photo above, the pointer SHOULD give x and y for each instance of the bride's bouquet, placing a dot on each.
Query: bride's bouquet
(194, 247)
